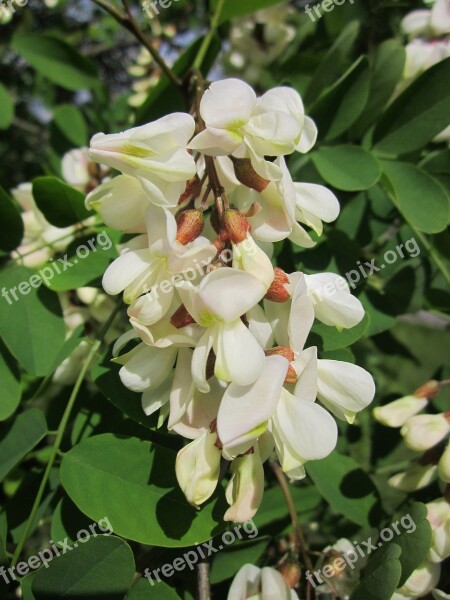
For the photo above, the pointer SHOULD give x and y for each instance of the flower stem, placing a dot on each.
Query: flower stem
(60, 434)
(208, 38)
(203, 585)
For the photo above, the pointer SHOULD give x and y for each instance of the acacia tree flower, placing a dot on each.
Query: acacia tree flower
(396, 413)
(152, 259)
(252, 583)
(415, 478)
(444, 465)
(154, 153)
(240, 124)
(430, 23)
(245, 489)
(217, 304)
(439, 518)
(425, 431)
(197, 468)
(420, 583)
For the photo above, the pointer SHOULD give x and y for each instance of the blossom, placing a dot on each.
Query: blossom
(434, 22)
(420, 583)
(245, 490)
(396, 413)
(154, 153)
(75, 166)
(240, 124)
(197, 468)
(217, 304)
(444, 465)
(438, 516)
(152, 259)
(252, 583)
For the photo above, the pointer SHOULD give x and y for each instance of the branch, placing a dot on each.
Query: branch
(127, 21)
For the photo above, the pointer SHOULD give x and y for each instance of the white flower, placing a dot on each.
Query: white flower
(240, 124)
(439, 518)
(434, 22)
(420, 583)
(245, 411)
(121, 202)
(415, 478)
(425, 431)
(155, 153)
(245, 490)
(197, 468)
(217, 304)
(75, 168)
(154, 259)
(396, 413)
(252, 583)
(333, 301)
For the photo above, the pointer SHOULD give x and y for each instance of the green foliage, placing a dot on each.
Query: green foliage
(126, 478)
(347, 168)
(61, 204)
(7, 104)
(12, 225)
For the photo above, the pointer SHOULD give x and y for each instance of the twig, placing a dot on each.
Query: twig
(127, 21)
(203, 585)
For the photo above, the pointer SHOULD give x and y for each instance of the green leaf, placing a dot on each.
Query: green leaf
(61, 204)
(232, 10)
(386, 72)
(416, 544)
(143, 590)
(86, 262)
(32, 326)
(341, 104)
(417, 115)
(334, 62)
(418, 196)
(347, 168)
(19, 438)
(381, 576)
(328, 338)
(103, 567)
(10, 378)
(165, 97)
(70, 122)
(7, 111)
(128, 480)
(11, 220)
(346, 487)
(56, 60)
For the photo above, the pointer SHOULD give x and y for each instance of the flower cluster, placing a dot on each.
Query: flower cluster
(221, 332)
(429, 435)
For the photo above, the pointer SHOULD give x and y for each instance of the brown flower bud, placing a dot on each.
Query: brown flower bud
(291, 375)
(277, 291)
(246, 174)
(291, 571)
(181, 318)
(190, 225)
(236, 225)
(429, 390)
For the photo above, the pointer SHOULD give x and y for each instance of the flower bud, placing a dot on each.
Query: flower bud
(197, 468)
(429, 390)
(236, 225)
(291, 375)
(425, 431)
(247, 175)
(190, 224)
(291, 571)
(396, 413)
(181, 318)
(416, 478)
(277, 292)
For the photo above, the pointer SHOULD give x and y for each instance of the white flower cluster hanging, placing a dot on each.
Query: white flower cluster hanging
(222, 332)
